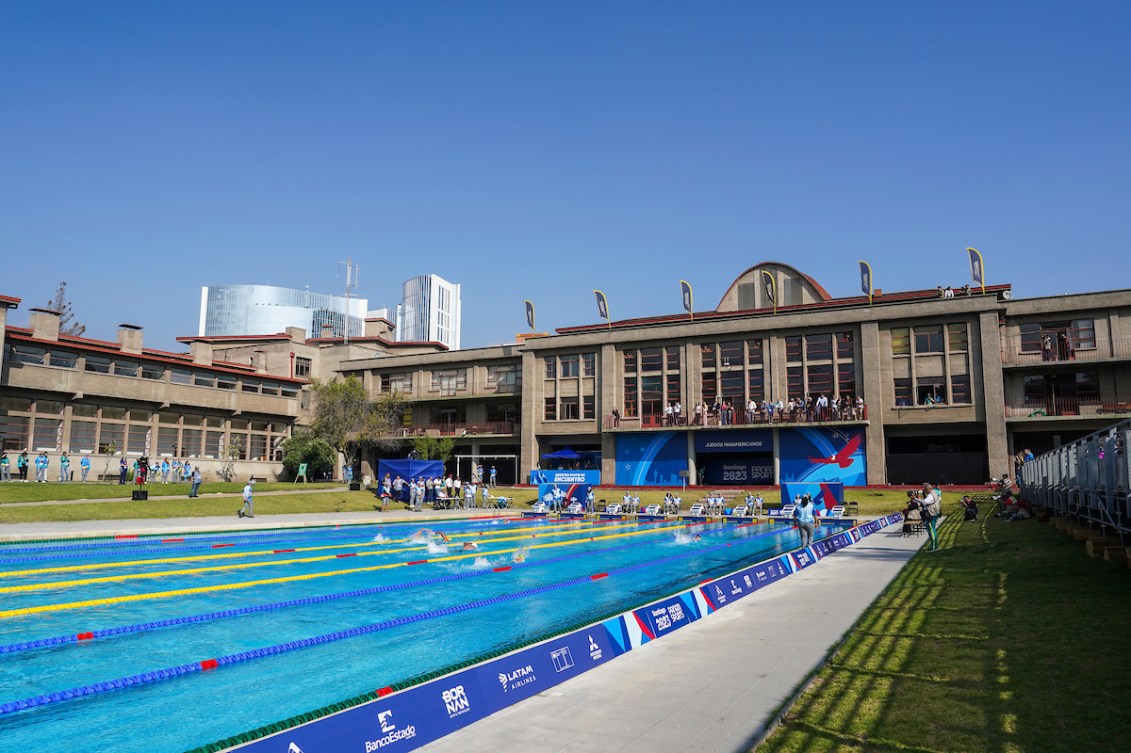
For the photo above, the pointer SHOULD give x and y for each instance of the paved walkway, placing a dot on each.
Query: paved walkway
(710, 687)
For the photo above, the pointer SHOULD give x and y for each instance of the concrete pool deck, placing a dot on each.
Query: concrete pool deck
(711, 687)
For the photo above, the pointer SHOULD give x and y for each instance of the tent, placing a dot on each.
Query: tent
(409, 469)
(566, 453)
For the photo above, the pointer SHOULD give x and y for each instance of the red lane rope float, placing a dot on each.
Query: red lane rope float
(243, 656)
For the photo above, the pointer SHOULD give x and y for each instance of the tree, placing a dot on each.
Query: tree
(304, 447)
(434, 448)
(347, 419)
(231, 455)
(67, 324)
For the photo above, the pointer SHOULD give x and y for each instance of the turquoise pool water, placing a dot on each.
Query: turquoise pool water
(104, 641)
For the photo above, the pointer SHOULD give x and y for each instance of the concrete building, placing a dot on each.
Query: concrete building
(430, 311)
(911, 386)
(234, 310)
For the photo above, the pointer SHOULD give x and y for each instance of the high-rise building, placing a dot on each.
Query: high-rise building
(267, 309)
(429, 311)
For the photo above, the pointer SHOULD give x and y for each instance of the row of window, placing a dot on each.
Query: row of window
(935, 338)
(1080, 333)
(571, 365)
(581, 408)
(28, 354)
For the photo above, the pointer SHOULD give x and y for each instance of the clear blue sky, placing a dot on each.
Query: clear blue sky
(542, 149)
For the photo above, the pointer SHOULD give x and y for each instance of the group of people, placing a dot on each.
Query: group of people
(419, 490)
(949, 292)
(41, 463)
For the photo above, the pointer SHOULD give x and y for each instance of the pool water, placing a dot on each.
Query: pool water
(101, 643)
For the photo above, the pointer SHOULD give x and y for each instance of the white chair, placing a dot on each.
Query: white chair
(613, 509)
(837, 511)
(652, 510)
(574, 508)
(741, 511)
(697, 509)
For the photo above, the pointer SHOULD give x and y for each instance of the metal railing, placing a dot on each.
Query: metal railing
(459, 428)
(740, 417)
(1014, 352)
(1089, 407)
(1086, 479)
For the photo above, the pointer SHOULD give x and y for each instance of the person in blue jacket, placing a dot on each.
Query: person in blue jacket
(84, 464)
(806, 520)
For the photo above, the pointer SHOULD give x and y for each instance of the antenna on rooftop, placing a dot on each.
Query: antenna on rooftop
(351, 285)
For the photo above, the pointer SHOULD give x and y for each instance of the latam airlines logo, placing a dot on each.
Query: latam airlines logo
(518, 678)
(390, 732)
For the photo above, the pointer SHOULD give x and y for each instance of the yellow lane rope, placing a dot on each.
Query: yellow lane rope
(240, 566)
(264, 552)
(44, 608)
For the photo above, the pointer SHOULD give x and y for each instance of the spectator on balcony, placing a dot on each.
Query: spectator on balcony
(859, 408)
(668, 414)
(677, 413)
(616, 417)
(1046, 347)
(698, 420)
(948, 292)
(1063, 348)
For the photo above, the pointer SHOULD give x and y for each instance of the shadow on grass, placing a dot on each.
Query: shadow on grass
(1006, 641)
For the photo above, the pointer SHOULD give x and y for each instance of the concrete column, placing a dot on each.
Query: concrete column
(692, 461)
(993, 389)
(871, 368)
(531, 414)
(608, 391)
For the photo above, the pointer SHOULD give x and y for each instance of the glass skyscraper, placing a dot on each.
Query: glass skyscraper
(267, 309)
(429, 311)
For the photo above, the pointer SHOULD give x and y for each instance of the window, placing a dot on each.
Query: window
(98, 365)
(114, 413)
(588, 407)
(844, 350)
(672, 386)
(569, 409)
(47, 432)
(247, 385)
(846, 378)
(820, 379)
(755, 357)
(900, 342)
(793, 347)
(550, 409)
(50, 407)
(795, 384)
(1030, 337)
(203, 379)
(181, 376)
(192, 440)
(960, 389)
(64, 359)
(399, 382)
(302, 367)
(167, 444)
(84, 410)
(449, 380)
(83, 436)
(630, 362)
(551, 367)
(213, 441)
(672, 354)
(126, 368)
(818, 347)
(588, 364)
(957, 339)
(1082, 335)
(651, 359)
(757, 385)
(226, 381)
(570, 366)
(151, 371)
(707, 350)
(902, 390)
(503, 378)
(138, 438)
(270, 388)
(111, 436)
(28, 354)
(928, 339)
(257, 449)
(13, 433)
(731, 353)
(931, 391)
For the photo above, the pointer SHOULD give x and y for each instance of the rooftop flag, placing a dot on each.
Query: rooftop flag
(866, 280)
(529, 315)
(977, 268)
(602, 306)
(771, 286)
(685, 291)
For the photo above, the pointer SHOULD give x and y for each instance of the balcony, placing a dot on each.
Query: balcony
(1069, 407)
(1120, 348)
(459, 429)
(740, 418)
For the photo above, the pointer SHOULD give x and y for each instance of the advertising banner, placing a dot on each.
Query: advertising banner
(823, 453)
(824, 495)
(653, 458)
(736, 441)
(747, 471)
(573, 485)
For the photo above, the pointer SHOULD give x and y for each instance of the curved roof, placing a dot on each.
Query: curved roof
(811, 290)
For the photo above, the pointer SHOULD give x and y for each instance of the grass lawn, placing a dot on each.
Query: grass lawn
(1009, 640)
(170, 500)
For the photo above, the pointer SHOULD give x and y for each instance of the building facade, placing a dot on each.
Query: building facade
(905, 388)
(233, 310)
(430, 311)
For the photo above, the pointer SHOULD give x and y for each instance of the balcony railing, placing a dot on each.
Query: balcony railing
(1060, 352)
(1068, 406)
(458, 429)
(740, 418)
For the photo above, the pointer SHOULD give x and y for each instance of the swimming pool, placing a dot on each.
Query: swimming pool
(107, 643)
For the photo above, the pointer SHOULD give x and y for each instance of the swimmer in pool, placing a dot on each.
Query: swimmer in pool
(470, 546)
(520, 555)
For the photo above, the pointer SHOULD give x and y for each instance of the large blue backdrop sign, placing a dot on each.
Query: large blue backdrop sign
(654, 458)
(823, 454)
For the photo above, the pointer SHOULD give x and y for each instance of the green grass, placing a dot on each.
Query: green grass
(171, 501)
(51, 491)
(1010, 640)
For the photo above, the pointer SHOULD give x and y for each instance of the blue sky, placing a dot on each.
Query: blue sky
(543, 149)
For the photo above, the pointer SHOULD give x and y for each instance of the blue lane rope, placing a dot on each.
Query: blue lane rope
(242, 656)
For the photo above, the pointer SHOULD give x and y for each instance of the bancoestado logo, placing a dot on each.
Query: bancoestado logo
(392, 734)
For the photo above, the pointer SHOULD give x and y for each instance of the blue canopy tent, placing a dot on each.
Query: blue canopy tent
(410, 469)
(566, 453)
